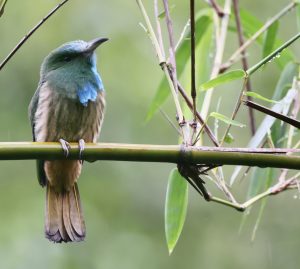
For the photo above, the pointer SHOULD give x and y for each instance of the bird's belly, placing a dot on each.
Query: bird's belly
(59, 117)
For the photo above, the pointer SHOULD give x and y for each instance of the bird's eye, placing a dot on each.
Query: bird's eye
(67, 59)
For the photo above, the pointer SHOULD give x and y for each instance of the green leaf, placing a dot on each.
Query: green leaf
(261, 180)
(225, 119)
(2, 6)
(258, 96)
(283, 85)
(298, 17)
(267, 184)
(285, 80)
(175, 208)
(257, 181)
(269, 40)
(229, 138)
(255, 186)
(223, 78)
(203, 24)
(251, 25)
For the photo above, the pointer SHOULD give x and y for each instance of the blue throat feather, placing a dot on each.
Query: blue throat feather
(73, 73)
(89, 90)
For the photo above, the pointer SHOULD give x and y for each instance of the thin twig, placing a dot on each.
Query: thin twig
(2, 7)
(295, 111)
(193, 71)
(238, 52)
(30, 33)
(291, 130)
(221, 201)
(158, 28)
(223, 185)
(244, 60)
(280, 116)
(165, 115)
(171, 41)
(217, 8)
(182, 35)
(276, 189)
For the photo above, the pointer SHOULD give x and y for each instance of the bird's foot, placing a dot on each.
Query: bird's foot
(81, 145)
(65, 146)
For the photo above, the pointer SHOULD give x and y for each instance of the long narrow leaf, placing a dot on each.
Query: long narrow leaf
(251, 25)
(298, 17)
(225, 119)
(255, 186)
(283, 84)
(267, 184)
(175, 208)
(223, 78)
(260, 97)
(270, 39)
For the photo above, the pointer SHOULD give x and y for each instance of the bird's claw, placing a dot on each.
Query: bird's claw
(81, 145)
(65, 146)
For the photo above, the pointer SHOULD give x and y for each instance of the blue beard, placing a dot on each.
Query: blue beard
(89, 90)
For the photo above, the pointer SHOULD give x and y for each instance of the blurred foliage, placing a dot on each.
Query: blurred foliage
(124, 202)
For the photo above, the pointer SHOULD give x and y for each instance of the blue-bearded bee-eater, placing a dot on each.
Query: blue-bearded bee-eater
(68, 106)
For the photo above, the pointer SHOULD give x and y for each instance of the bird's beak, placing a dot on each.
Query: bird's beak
(92, 45)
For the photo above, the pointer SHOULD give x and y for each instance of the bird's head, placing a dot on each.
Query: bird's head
(72, 56)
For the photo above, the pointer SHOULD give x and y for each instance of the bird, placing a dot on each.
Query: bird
(68, 106)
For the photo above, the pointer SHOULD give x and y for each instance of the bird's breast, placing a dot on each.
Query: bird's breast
(58, 116)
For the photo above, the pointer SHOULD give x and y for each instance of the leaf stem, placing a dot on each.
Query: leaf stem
(276, 52)
(242, 48)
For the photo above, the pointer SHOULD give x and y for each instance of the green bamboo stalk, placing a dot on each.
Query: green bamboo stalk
(152, 153)
(265, 27)
(273, 55)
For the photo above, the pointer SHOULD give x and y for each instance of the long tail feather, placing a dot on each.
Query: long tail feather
(64, 219)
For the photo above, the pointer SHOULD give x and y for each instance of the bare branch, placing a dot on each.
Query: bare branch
(193, 71)
(158, 28)
(30, 33)
(217, 8)
(272, 113)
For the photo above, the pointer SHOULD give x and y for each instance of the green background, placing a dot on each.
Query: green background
(124, 202)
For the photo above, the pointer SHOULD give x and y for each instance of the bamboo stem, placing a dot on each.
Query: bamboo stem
(271, 56)
(153, 153)
(242, 48)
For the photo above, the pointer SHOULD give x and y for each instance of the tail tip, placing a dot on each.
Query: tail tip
(57, 238)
